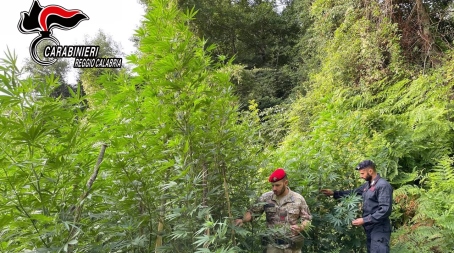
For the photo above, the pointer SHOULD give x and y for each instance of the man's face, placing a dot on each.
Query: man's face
(366, 174)
(279, 187)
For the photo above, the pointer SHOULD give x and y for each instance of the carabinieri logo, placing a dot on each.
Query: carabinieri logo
(43, 19)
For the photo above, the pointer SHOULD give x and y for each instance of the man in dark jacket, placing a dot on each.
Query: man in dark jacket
(377, 196)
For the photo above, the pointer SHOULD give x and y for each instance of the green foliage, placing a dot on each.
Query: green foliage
(181, 156)
(214, 240)
(430, 227)
(261, 35)
(58, 70)
(108, 48)
(46, 155)
(175, 141)
(363, 103)
(176, 145)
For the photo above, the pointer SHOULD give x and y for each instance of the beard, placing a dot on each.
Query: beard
(368, 177)
(279, 193)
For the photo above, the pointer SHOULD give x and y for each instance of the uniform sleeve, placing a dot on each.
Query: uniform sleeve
(305, 214)
(385, 200)
(258, 208)
(357, 191)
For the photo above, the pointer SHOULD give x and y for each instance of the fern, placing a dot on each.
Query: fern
(431, 229)
(408, 190)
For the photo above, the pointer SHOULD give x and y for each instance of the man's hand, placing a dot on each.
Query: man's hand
(358, 222)
(247, 217)
(296, 229)
(327, 192)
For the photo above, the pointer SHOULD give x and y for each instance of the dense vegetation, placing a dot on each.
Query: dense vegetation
(162, 157)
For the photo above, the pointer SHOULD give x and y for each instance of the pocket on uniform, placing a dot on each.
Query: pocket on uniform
(270, 213)
(383, 240)
(383, 228)
(294, 214)
(380, 244)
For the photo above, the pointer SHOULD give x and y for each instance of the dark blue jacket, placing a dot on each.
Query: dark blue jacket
(377, 201)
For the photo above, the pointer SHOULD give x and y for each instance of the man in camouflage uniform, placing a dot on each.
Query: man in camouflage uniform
(287, 215)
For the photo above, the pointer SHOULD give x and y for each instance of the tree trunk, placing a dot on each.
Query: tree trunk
(430, 50)
(78, 210)
(160, 224)
(227, 198)
(205, 197)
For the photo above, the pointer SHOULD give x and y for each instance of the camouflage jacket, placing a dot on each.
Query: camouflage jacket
(286, 211)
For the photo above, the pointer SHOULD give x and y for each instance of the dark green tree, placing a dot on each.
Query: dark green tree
(59, 71)
(108, 48)
(261, 35)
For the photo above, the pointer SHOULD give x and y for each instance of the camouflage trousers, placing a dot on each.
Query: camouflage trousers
(272, 249)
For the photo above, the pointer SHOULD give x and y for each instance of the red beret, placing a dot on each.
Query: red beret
(277, 175)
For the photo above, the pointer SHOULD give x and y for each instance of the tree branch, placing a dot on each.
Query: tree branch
(78, 209)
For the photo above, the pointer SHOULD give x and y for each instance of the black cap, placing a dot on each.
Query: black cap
(365, 164)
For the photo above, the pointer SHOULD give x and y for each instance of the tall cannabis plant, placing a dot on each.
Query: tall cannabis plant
(46, 158)
(177, 151)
